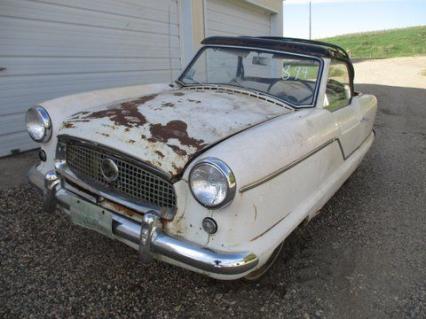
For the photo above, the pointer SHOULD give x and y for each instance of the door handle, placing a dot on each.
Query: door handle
(2, 69)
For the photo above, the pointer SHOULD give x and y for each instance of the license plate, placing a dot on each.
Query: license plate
(92, 217)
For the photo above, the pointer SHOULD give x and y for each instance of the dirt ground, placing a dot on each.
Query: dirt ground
(364, 256)
(403, 72)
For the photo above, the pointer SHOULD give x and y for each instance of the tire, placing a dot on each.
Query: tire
(259, 273)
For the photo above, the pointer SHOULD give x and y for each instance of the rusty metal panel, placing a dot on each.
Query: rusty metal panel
(166, 130)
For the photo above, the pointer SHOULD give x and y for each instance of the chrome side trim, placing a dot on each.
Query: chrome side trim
(359, 146)
(287, 167)
(304, 157)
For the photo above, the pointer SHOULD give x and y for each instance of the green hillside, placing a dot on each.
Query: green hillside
(384, 44)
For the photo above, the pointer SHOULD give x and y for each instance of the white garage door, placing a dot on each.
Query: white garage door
(52, 48)
(236, 18)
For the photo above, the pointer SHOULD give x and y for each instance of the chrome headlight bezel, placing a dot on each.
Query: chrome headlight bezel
(225, 171)
(39, 114)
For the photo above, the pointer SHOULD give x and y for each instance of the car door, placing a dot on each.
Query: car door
(343, 106)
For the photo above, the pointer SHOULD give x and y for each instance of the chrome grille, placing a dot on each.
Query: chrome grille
(135, 181)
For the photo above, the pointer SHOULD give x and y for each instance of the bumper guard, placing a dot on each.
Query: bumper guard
(149, 236)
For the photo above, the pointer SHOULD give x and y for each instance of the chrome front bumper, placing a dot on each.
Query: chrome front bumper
(148, 235)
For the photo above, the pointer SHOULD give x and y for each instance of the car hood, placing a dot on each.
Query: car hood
(166, 130)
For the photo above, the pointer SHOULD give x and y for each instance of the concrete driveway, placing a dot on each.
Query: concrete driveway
(363, 257)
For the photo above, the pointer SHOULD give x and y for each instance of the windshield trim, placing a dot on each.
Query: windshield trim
(203, 48)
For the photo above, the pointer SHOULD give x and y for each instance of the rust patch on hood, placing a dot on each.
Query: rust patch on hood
(159, 154)
(76, 115)
(177, 150)
(126, 114)
(177, 169)
(167, 104)
(103, 134)
(168, 129)
(174, 129)
(68, 125)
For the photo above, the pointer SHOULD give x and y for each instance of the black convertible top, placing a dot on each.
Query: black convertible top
(309, 47)
(301, 46)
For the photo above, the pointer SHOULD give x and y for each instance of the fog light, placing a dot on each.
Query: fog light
(209, 225)
(42, 155)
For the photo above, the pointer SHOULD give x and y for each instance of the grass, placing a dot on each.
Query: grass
(383, 44)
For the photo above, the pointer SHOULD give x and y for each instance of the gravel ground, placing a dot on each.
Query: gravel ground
(402, 72)
(363, 257)
(13, 169)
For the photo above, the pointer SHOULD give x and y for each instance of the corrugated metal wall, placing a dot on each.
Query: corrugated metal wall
(53, 48)
(235, 18)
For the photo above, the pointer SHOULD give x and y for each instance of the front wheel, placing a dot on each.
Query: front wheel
(257, 274)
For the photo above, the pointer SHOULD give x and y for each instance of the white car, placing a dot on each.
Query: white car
(211, 173)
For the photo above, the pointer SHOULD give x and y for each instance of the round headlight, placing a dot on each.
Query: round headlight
(212, 183)
(38, 123)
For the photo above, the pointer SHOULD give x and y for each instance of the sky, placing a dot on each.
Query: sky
(334, 17)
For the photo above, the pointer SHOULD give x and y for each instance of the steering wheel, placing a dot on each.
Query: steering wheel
(272, 84)
(291, 98)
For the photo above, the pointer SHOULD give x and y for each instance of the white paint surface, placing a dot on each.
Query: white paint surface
(259, 219)
(203, 116)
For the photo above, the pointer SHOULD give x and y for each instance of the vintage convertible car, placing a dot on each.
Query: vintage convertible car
(213, 172)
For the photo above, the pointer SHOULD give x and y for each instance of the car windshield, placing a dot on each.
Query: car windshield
(290, 78)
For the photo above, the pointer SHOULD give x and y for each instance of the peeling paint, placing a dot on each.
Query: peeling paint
(160, 154)
(125, 114)
(176, 170)
(177, 130)
(179, 224)
(68, 125)
(77, 115)
(178, 150)
(167, 124)
(103, 134)
(168, 104)
(120, 209)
